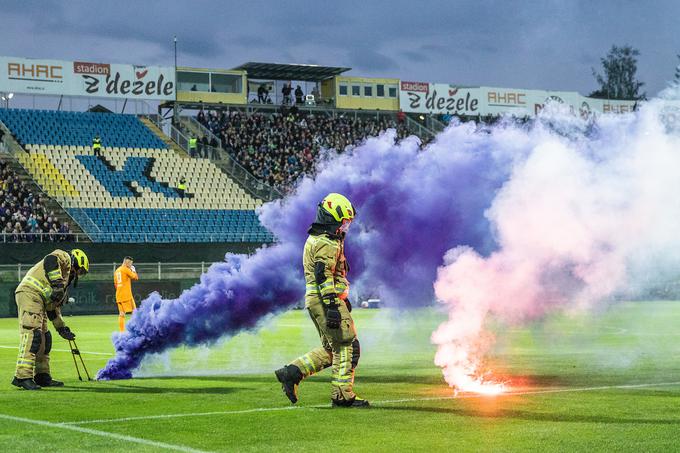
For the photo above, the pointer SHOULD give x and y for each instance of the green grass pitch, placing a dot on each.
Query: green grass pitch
(605, 382)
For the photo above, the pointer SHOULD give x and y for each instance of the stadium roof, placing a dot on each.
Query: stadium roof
(276, 71)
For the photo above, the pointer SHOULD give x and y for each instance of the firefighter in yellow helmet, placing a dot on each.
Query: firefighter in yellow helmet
(39, 297)
(325, 269)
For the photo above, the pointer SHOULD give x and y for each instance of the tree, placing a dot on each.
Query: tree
(619, 80)
(676, 79)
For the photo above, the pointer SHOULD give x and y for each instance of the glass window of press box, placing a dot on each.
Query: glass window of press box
(226, 83)
(193, 81)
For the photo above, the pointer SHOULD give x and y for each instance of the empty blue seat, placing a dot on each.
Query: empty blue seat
(173, 225)
(79, 128)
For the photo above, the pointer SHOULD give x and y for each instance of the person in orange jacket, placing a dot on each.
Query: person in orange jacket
(122, 280)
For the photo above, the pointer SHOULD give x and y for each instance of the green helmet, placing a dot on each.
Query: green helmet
(338, 206)
(79, 260)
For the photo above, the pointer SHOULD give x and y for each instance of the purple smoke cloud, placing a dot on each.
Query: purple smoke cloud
(413, 205)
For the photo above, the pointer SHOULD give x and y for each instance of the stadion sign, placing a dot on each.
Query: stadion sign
(439, 98)
(80, 78)
(423, 97)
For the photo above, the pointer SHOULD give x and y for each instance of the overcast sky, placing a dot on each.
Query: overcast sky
(521, 44)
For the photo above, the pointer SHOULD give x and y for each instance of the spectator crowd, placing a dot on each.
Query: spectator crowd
(279, 148)
(23, 217)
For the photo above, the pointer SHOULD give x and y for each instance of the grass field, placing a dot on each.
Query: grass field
(609, 382)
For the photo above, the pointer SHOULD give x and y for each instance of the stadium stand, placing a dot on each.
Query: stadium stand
(130, 193)
(23, 214)
(279, 148)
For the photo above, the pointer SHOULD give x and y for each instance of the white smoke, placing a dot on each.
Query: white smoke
(582, 218)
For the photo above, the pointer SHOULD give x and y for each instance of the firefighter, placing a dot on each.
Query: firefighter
(327, 288)
(39, 297)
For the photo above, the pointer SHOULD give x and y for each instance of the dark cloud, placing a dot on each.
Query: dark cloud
(415, 57)
(371, 60)
(250, 41)
(530, 44)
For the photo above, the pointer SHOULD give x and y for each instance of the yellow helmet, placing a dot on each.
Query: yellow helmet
(79, 259)
(338, 206)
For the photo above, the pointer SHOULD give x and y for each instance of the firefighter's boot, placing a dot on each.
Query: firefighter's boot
(356, 403)
(45, 380)
(26, 384)
(289, 376)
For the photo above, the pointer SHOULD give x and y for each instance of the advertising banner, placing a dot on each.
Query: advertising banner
(440, 98)
(423, 97)
(81, 78)
(93, 298)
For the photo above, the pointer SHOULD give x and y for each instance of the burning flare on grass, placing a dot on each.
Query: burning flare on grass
(462, 340)
(590, 213)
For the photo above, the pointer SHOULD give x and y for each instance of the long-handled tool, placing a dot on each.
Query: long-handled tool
(76, 352)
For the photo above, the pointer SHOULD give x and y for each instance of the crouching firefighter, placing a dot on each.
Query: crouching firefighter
(325, 269)
(39, 297)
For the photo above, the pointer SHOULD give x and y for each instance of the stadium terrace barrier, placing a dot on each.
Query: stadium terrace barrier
(43, 237)
(117, 237)
(98, 252)
(95, 293)
(13, 273)
(98, 298)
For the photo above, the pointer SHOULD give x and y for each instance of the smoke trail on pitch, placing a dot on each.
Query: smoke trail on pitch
(581, 218)
(413, 205)
(230, 297)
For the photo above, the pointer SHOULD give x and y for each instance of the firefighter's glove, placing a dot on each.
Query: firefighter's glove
(333, 315)
(66, 334)
(349, 305)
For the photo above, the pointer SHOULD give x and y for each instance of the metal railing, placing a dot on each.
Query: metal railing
(418, 129)
(155, 119)
(13, 273)
(225, 161)
(143, 238)
(43, 237)
(201, 128)
(80, 217)
(331, 112)
(434, 124)
(158, 120)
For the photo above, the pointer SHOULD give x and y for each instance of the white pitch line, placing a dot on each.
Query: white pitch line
(63, 350)
(193, 414)
(375, 403)
(95, 432)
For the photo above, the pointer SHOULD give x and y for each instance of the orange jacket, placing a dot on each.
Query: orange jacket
(122, 281)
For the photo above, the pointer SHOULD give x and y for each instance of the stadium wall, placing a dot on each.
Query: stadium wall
(142, 252)
(98, 298)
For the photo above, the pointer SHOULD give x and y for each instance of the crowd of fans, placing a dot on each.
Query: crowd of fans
(279, 148)
(23, 217)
